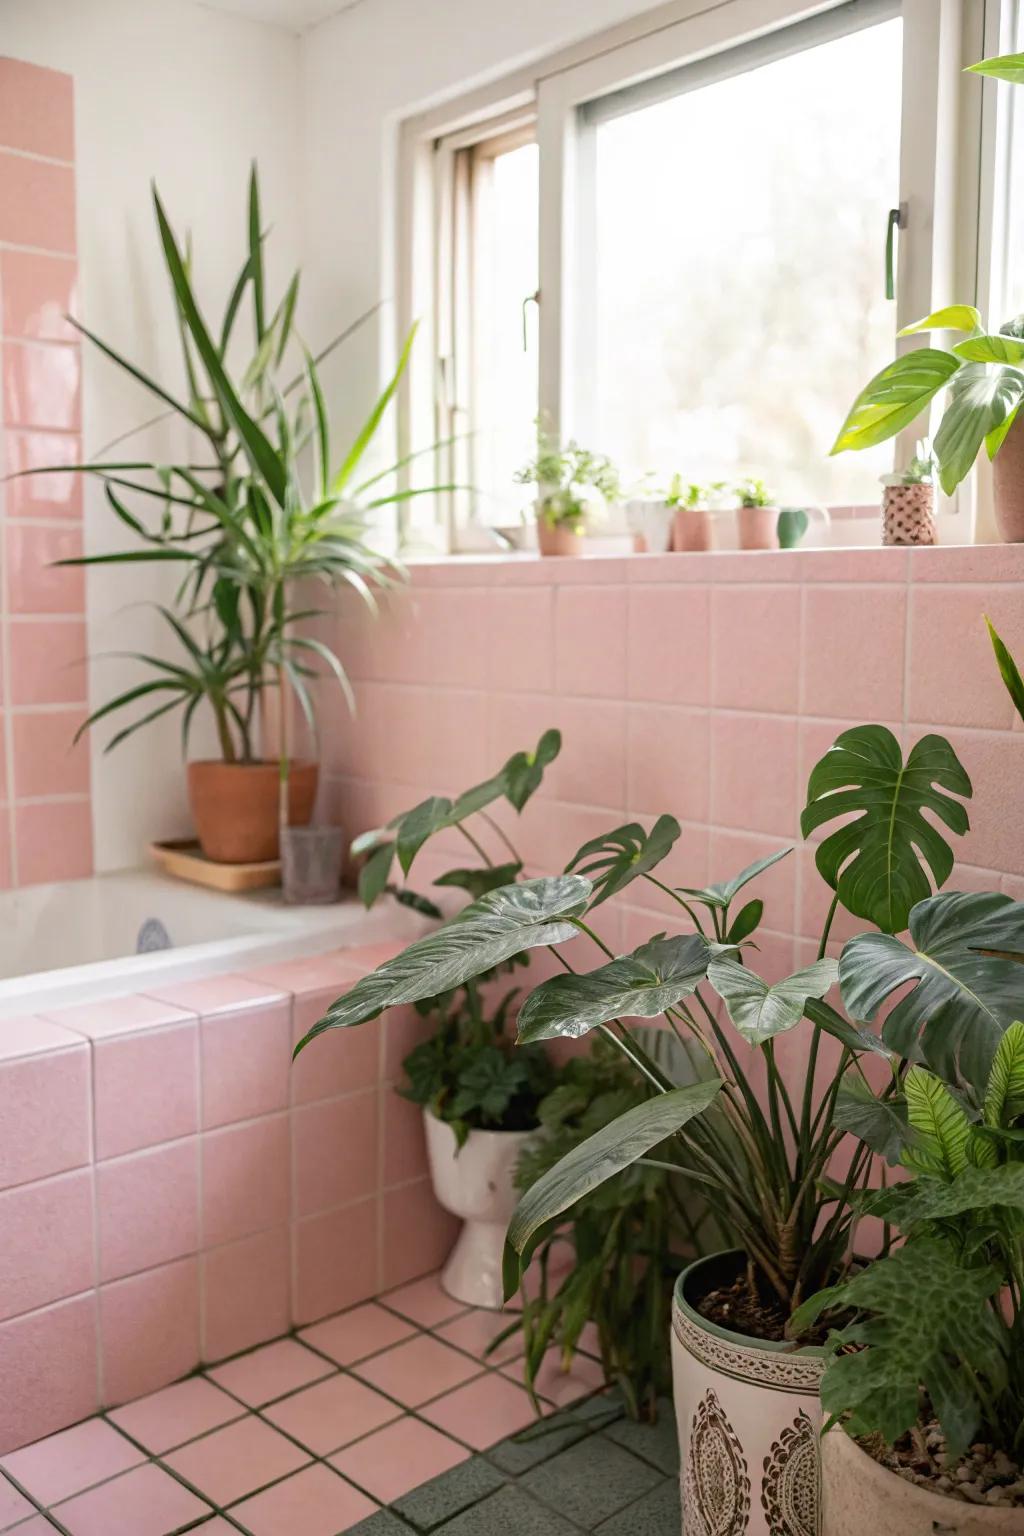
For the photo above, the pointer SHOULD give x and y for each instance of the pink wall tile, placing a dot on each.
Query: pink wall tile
(44, 1113)
(669, 644)
(47, 760)
(432, 632)
(37, 203)
(42, 386)
(48, 661)
(246, 1056)
(56, 495)
(339, 1062)
(34, 583)
(754, 773)
(405, 1148)
(54, 841)
(731, 852)
(246, 1179)
(853, 652)
(48, 1364)
(591, 768)
(515, 723)
(953, 675)
(46, 1242)
(995, 762)
(418, 1234)
(36, 110)
(755, 647)
(335, 1145)
(590, 641)
(979, 562)
(404, 1028)
(335, 1259)
(149, 1330)
(146, 1089)
(147, 1208)
(521, 639)
(36, 293)
(668, 761)
(245, 1290)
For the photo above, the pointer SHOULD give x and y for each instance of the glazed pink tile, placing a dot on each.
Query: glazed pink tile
(37, 203)
(398, 1458)
(755, 648)
(36, 293)
(341, 1061)
(969, 563)
(422, 638)
(854, 652)
(732, 852)
(854, 565)
(53, 672)
(515, 723)
(179, 1413)
(34, 583)
(146, 1208)
(482, 1412)
(652, 570)
(424, 1302)
(149, 1328)
(475, 1331)
(58, 495)
(591, 768)
(143, 1502)
(54, 841)
(314, 1501)
(36, 110)
(559, 1386)
(146, 1088)
(246, 1055)
(994, 761)
(753, 773)
(335, 1260)
(37, 1526)
(212, 996)
(48, 1364)
(668, 758)
(418, 1234)
(236, 1460)
(270, 1372)
(335, 1145)
(42, 386)
(405, 1147)
(46, 1242)
(746, 566)
(245, 1293)
(417, 1370)
(353, 1335)
(14, 1507)
(47, 760)
(117, 1017)
(44, 1102)
(953, 678)
(404, 1029)
(520, 634)
(246, 1179)
(669, 644)
(65, 1464)
(590, 641)
(332, 1413)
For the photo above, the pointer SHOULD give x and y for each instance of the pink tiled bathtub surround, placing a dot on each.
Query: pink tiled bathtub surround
(45, 816)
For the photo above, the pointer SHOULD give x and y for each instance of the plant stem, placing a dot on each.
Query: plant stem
(677, 898)
(473, 842)
(502, 835)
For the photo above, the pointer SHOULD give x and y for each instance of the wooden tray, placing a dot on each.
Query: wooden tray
(184, 860)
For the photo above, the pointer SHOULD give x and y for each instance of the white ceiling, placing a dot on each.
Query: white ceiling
(296, 15)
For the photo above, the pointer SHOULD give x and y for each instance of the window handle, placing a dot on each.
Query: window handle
(531, 298)
(897, 220)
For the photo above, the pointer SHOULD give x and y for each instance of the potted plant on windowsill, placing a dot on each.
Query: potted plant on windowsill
(567, 480)
(908, 501)
(691, 513)
(757, 517)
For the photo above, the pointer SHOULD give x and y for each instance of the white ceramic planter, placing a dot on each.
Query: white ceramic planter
(861, 1498)
(476, 1183)
(748, 1417)
(651, 523)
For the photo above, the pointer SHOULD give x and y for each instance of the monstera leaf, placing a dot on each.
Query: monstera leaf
(616, 858)
(639, 986)
(874, 862)
(595, 1161)
(967, 964)
(501, 924)
(760, 1011)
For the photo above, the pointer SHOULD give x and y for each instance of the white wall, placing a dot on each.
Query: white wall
(170, 90)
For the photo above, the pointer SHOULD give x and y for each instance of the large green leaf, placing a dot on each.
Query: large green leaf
(954, 317)
(980, 399)
(640, 986)
(974, 1189)
(877, 862)
(480, 879)
(760, 1011)
(942, 1129)
(1004, 1095)
(594, 1161)
(418, 825)
(854, 1038)
(896, 397)
(1007, 66)
(880, 1123)
(1008, 669)
(497, 926)
(724, 892)
(616, 858)
(963, 998)
(524, 770)
(991, 349)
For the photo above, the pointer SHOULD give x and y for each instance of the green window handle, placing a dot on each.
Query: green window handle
(897, 220)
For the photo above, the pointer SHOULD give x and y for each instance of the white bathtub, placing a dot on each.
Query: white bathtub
(67, 943)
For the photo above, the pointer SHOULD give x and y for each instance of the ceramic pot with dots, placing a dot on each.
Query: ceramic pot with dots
(908, 514)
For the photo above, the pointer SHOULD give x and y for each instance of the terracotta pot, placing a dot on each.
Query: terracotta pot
(861, 1498)
(748, 1418)
(1008, 484)
(558, 540)
(758, 527)
(691, 529)
(908, 515)
(234, 807)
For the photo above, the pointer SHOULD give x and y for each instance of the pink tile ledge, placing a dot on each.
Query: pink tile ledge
(31, 1036)
(119, 1016)
(219, 994)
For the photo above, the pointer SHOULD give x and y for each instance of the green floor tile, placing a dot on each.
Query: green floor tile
(510, 1512)
(591, 1481)
(656, 1514)
(383, 1523)
(427, 1507)
(540, 1442)
(657, 1443)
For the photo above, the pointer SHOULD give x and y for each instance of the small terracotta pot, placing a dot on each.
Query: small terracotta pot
(908, 515)
(558, 540)
(234, 807)
(691, 529)
(859, 1497)
(758, 527)
(1008, 485)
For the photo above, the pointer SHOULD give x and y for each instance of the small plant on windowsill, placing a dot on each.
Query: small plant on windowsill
(567, 480)
(908, 500)
(757, 517)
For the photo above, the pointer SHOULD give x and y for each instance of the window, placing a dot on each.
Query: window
(1012, 297)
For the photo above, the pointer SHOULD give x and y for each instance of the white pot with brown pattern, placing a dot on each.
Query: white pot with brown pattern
(908, 514)
(748, 1417)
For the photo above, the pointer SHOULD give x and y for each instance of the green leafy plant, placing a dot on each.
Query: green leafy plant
(922, 469)
(564, 478)
(754, 493)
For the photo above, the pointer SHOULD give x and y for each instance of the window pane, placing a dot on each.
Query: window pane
(1013, 301)
(737, 272)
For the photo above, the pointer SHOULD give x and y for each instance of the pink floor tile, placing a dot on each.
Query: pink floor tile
(237, 1460)
(559, 1386)
(332, 1414)
(354, 1335)
(270, 1372)
(314, 1502)
(398, 1458)
(169, 1418)
(13, 1505)
(418, 1370)
(67, 1463)
(483, 1412)
(145, 1502)
(423, 1301)
(474, 1331)
(37, 1526)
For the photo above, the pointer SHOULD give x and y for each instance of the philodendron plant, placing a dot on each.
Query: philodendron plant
(759, 1154)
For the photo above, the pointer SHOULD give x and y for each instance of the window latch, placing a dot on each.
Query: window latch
(897, 220)
(531, 298)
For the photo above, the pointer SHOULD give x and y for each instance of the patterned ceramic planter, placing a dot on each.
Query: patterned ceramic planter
(749, 1418)
(908, 515)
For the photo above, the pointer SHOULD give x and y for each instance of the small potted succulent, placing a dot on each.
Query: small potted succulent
(757, 517)
(567, 480)
(691, 513)
(908, 500)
